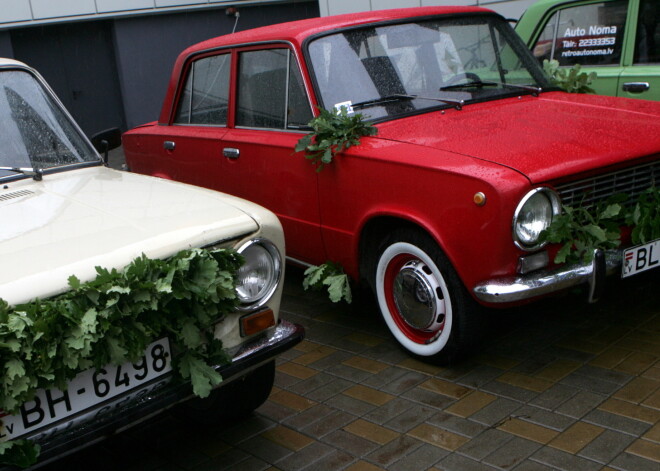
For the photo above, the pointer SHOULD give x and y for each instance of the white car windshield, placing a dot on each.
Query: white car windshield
(394, 69)
(35, 133)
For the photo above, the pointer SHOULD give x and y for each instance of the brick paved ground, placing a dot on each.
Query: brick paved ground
(558, 385)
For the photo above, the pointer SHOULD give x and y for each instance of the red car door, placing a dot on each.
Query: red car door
(257, 160)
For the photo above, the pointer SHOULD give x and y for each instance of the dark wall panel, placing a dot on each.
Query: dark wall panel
(5, 45)
(146, 48)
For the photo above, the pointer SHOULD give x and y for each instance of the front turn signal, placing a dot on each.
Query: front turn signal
(259, 321)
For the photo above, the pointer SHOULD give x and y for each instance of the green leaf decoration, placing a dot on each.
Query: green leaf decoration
(112, 319)
(333, 132)
(582, 231)
(332, 276)
(571, 79)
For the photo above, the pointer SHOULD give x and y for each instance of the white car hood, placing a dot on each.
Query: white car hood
(71, 222)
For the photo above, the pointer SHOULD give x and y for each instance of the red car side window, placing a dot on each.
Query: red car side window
(206, 94)
(270, 91)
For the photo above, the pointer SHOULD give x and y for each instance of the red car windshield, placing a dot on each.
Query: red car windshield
(394, 69)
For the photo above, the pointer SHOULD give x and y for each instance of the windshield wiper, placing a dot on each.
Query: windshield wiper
(479, 84)
(400, 96)
(35, 173)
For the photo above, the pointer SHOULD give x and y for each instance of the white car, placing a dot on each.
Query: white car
(64, 213)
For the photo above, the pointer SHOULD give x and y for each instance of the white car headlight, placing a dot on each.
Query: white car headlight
(534, 213)
(260, 275)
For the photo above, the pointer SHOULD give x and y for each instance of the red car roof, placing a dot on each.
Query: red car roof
(296, 31)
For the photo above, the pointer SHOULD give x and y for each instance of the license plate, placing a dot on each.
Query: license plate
(641, 258)
(86, 390)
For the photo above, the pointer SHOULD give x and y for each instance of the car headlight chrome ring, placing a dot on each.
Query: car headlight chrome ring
(534, 214)
(259, 276)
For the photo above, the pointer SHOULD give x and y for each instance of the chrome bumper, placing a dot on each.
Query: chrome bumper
(62, 438)
(519, 288)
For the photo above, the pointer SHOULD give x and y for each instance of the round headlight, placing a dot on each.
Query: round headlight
(533, 215)
(259, 276)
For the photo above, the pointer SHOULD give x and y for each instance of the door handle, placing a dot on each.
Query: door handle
(231, 153)
(635, 87)
(169, 145)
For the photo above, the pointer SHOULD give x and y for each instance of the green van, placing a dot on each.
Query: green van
(618, 39)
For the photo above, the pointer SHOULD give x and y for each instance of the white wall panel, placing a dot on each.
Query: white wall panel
(385, 4)
(15, 10)
(107, 6)
(62, 8)
(178, 3)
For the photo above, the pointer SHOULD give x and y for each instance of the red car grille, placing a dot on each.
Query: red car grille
(631, 181)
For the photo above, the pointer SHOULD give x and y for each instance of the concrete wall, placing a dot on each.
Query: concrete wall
(19, 13)
(508, 8)
(147, 46)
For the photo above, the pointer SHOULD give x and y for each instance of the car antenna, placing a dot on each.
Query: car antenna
(233, 11)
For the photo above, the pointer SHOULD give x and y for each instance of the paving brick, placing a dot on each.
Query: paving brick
(495, 412)
(328, 424)
(404, 383)
(637, 390)
(348, 373)
(456, 462)
(497, 361)
(330, 388)
(296, 370)
(370, 431)
(576, 437)
(611, 357)
(637, 363)
(428, 398)
(291, 400)
(581, 404)
(387, 412)
(394, 450)
(312, 454)
(606, 446)
(479, 376)
(446, 388)
(516, 451)
(410, 418)
(560, 460)
(309, 416)
(653, 434)
(438, 437)
(314, 355)
(370, 395)
(350, 405)
(629, 462)
(645, 449)
(288, 438)
(420, 366)
(348, 442)
(265, 449)
(465, 427)
(633, 411)
(471, 404)
(509, 391)
(545, 418)
(365, 339)
(557, 370)
(554, 396)
(366, 364)
(617, 422)
(332, 462)
(485, 443)
(422, 458)
(363, 466)
(653, 400)
(528, 430)
(534, 466)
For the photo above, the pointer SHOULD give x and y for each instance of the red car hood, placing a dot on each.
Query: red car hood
(544, 138)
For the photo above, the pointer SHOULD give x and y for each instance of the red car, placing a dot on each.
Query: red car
(441, 212)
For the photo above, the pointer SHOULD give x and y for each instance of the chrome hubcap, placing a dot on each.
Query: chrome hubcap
(418, 297)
